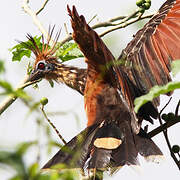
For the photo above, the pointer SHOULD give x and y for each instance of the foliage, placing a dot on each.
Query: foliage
(155, 92)
(9, 90)
(69, 51)
(20, 50)
(175, 67)
(2, 68)
(14, 159)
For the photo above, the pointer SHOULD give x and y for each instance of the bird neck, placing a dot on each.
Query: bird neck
(73, 77)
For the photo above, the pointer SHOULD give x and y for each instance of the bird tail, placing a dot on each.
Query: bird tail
(105, 146)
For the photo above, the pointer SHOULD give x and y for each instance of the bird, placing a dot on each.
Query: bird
(47, 66)
(114, 137)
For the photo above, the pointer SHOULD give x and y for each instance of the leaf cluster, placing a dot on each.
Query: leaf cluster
(9, 90)
(66, 52)
(21, 49)
(14, 160)
(69, 51)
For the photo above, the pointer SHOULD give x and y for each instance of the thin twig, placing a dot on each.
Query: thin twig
(92, 19)
(43, 6)
(167, 139)
(165, 105)
(125, 24)
(49, 121)
(122, 18)
(177, 108)
(106, 24)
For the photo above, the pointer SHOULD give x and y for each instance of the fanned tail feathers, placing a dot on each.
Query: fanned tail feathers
(105, 147)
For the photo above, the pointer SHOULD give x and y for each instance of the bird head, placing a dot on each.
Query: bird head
(44, 68)
(46, 62)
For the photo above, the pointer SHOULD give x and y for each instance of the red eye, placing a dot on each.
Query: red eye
(41, 66)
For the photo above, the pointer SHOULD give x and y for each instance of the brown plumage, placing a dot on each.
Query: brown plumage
(149, 54)
(113, 137)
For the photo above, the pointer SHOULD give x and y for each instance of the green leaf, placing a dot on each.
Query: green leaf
(175, 66)
(29, 69)
(20, 53)
(14, 160)
(7, 86)
(69, 51)
(23, 147)
(21, 94)
(10, 91)
(2, 68)
(51, 83)
(20, 50)
(155, 92)
(33, 170)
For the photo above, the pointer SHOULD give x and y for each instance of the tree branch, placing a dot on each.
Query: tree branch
(36, 21)
(164, 126)
(43, 6)
(110, 21)
(124, 24)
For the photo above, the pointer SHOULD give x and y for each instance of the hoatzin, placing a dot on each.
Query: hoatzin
(113, 136)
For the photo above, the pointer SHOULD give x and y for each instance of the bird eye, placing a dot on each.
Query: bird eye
(41, 66)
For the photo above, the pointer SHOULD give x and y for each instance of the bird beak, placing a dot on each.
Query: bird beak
(35, 75)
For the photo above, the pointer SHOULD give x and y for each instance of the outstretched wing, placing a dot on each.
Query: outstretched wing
(147, 58)
(99, 58)
(97, 54)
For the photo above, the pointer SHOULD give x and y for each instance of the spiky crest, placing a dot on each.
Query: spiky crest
(45, 52)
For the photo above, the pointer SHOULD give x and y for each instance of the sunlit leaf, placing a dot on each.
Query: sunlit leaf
(9, 90)
(2, 68)
(69, 51)
(20, 50)
(155, 92)
(7, 86)
(33, 170)
(175, 66)
(14, 160)
(20, 53)
(51, 83)
(23, 147)
(21, 94)
(69, 174)
(29, 69)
